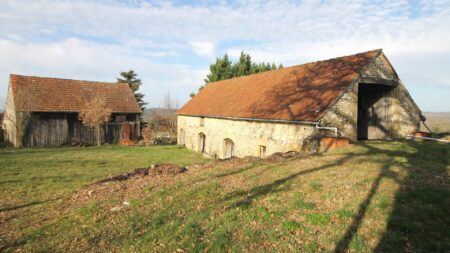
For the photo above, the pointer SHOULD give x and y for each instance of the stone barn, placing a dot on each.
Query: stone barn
(359, 97)
(43, 111)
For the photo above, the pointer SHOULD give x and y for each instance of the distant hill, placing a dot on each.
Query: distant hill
(437, 121)
(151, 112)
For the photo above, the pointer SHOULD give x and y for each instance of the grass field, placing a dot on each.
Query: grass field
(388, 197)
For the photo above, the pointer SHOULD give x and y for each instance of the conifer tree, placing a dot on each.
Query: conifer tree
(130, 77)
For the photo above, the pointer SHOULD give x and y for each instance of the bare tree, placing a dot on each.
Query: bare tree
(168, 104)
(170, 118)
(94, 115)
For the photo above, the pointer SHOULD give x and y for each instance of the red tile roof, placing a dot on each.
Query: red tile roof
(45, 94)
(300, 92)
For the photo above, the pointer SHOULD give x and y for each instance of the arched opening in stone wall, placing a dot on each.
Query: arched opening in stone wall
(228, 148)
(201, 142)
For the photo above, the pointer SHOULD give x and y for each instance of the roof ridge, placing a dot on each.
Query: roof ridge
(65, 79)
(299, 65)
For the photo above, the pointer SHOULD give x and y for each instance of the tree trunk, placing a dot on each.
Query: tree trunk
(97, 136)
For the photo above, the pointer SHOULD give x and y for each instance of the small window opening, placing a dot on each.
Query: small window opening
(202, 121)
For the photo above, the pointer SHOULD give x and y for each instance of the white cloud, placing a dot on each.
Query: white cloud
(78, 59)
(96, 39)
(203, 48)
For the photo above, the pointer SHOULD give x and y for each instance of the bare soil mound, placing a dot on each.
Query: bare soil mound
(159, 169)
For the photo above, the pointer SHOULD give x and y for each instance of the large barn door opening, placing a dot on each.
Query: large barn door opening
(374, 112)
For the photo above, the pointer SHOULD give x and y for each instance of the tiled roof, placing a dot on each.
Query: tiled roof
(300, 92)
(45, 94)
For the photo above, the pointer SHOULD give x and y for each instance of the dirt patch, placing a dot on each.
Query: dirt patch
(279, 156)
(130, 185)
(171, 169)
(159, 169)
(238, 160)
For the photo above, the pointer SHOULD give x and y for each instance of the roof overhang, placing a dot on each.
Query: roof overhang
(255, 119)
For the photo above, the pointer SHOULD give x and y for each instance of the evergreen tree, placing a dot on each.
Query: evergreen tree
(244, 66)
(223, 69)
(130, 77)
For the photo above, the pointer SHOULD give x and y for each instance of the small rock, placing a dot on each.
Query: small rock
(152, 166)
(126, 203)
(116, 209)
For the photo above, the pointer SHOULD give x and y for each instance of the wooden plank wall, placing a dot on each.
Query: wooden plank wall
(60, 131)
(48, 132)
(380, 122)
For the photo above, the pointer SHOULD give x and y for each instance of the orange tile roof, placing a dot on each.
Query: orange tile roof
(301, 93)
(45, 94)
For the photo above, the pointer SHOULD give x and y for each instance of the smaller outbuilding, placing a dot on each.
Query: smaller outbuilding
(357, 97)
(43, 111)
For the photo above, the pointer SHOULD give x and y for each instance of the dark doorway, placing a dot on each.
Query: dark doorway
(374, 112)
(201, 142)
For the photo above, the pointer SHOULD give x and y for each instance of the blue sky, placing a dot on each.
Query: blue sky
(170, 44)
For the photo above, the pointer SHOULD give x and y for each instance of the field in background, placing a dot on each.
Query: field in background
(437, 121)
(390, 196)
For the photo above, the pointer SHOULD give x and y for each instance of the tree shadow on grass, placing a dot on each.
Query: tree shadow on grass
(419, 221)
(244, 199)
(16, 207)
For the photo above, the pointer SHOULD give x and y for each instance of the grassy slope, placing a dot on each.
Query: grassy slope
(385, 197)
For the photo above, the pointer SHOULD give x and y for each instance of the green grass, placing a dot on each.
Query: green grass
(389, 197)
(37, 174)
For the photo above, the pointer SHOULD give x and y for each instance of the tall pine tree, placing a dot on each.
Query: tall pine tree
(130, 77)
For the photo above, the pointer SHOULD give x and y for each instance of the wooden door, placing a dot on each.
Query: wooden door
(380, 116)
(374, 113)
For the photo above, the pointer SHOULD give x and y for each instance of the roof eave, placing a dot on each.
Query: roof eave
(304, 122)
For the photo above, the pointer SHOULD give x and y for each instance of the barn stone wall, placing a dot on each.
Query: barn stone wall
(248, 136)
(379, 68)
(9, 119)
(405, 113)
(343, 114)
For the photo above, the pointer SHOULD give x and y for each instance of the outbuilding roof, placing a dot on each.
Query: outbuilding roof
(300, 93)
(45, 94)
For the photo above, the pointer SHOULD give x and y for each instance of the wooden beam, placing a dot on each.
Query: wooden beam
(376, 80)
